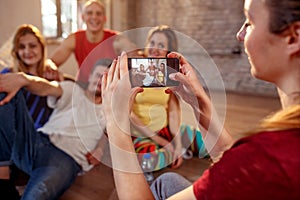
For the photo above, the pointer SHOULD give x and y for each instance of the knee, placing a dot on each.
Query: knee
(17, 95)
(2, 95)
(163, 180)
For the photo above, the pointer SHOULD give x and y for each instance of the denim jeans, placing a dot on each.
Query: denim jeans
(51, 170)
(168, 184)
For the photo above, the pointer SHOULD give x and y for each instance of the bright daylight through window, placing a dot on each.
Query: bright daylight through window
(60, 17)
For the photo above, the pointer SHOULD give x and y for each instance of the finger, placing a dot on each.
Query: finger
(169, 90)
(124, 65)
(103, 83)
(111, 71)
(116, 76)
(178, 77)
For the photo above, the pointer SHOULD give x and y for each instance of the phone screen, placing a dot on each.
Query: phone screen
(152, 72)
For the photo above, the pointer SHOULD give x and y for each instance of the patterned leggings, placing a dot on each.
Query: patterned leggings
(190, 138)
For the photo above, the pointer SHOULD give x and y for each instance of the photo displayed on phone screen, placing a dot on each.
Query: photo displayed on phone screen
(152, 72)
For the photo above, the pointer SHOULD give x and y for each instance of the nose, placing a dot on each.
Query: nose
(240, 35)
(26, 49)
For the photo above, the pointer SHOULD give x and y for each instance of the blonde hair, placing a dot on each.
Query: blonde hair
(288, 118)
(99, 3)
(24, 30)
(285, 119)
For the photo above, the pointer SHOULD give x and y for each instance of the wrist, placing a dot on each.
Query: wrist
(23, 79)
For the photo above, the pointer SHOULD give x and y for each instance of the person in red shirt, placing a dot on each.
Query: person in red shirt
(265, 163)
(95, 40)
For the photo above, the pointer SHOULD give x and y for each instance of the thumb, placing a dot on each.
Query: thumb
(178, 77)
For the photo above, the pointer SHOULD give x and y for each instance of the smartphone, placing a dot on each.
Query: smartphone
(152, 72)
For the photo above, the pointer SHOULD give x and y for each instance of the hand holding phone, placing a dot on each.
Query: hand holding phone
(152, 72)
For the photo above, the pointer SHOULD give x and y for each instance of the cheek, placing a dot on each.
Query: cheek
(260, 58)
(255, 46)
(20, 53)
(38, 52)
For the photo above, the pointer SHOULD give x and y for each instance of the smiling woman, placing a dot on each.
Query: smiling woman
(29, 51)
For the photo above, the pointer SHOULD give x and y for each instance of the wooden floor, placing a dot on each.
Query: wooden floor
(242, 113)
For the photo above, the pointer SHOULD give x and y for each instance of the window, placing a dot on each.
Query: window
(61, 17)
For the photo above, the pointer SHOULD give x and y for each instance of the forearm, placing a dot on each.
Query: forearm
(215, 136)
(174, 118)
(40, 86)
(59, 57)
(127, 172)
(174, 126)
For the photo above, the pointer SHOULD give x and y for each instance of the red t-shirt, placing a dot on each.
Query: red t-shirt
(87, 53)
(262, 166)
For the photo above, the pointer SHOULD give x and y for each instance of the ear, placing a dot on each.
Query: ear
(293, 38)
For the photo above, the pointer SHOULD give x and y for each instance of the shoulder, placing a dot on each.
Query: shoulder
(254, 166)
(79, 32)
(109, 32)
(270, 146)
(267, 139)
(70, 41)
(68, 89)
(271, 155)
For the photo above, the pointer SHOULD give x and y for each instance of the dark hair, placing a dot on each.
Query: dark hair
(282, 14)
(106, 62)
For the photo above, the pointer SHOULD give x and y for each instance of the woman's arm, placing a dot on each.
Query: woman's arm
(215, 136)
(174, 115)
(129, 179)
(11, 83)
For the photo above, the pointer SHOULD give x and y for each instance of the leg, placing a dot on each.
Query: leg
(53, 173)
(192, 138)
(8, 131)
(162, 157)
(168, 184)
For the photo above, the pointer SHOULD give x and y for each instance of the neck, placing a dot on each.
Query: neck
(290, 98)
(32, 70)
(94, 37)
(97, 99)
(289, 87)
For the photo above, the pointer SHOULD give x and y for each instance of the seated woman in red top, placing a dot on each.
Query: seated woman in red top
(264, 165)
